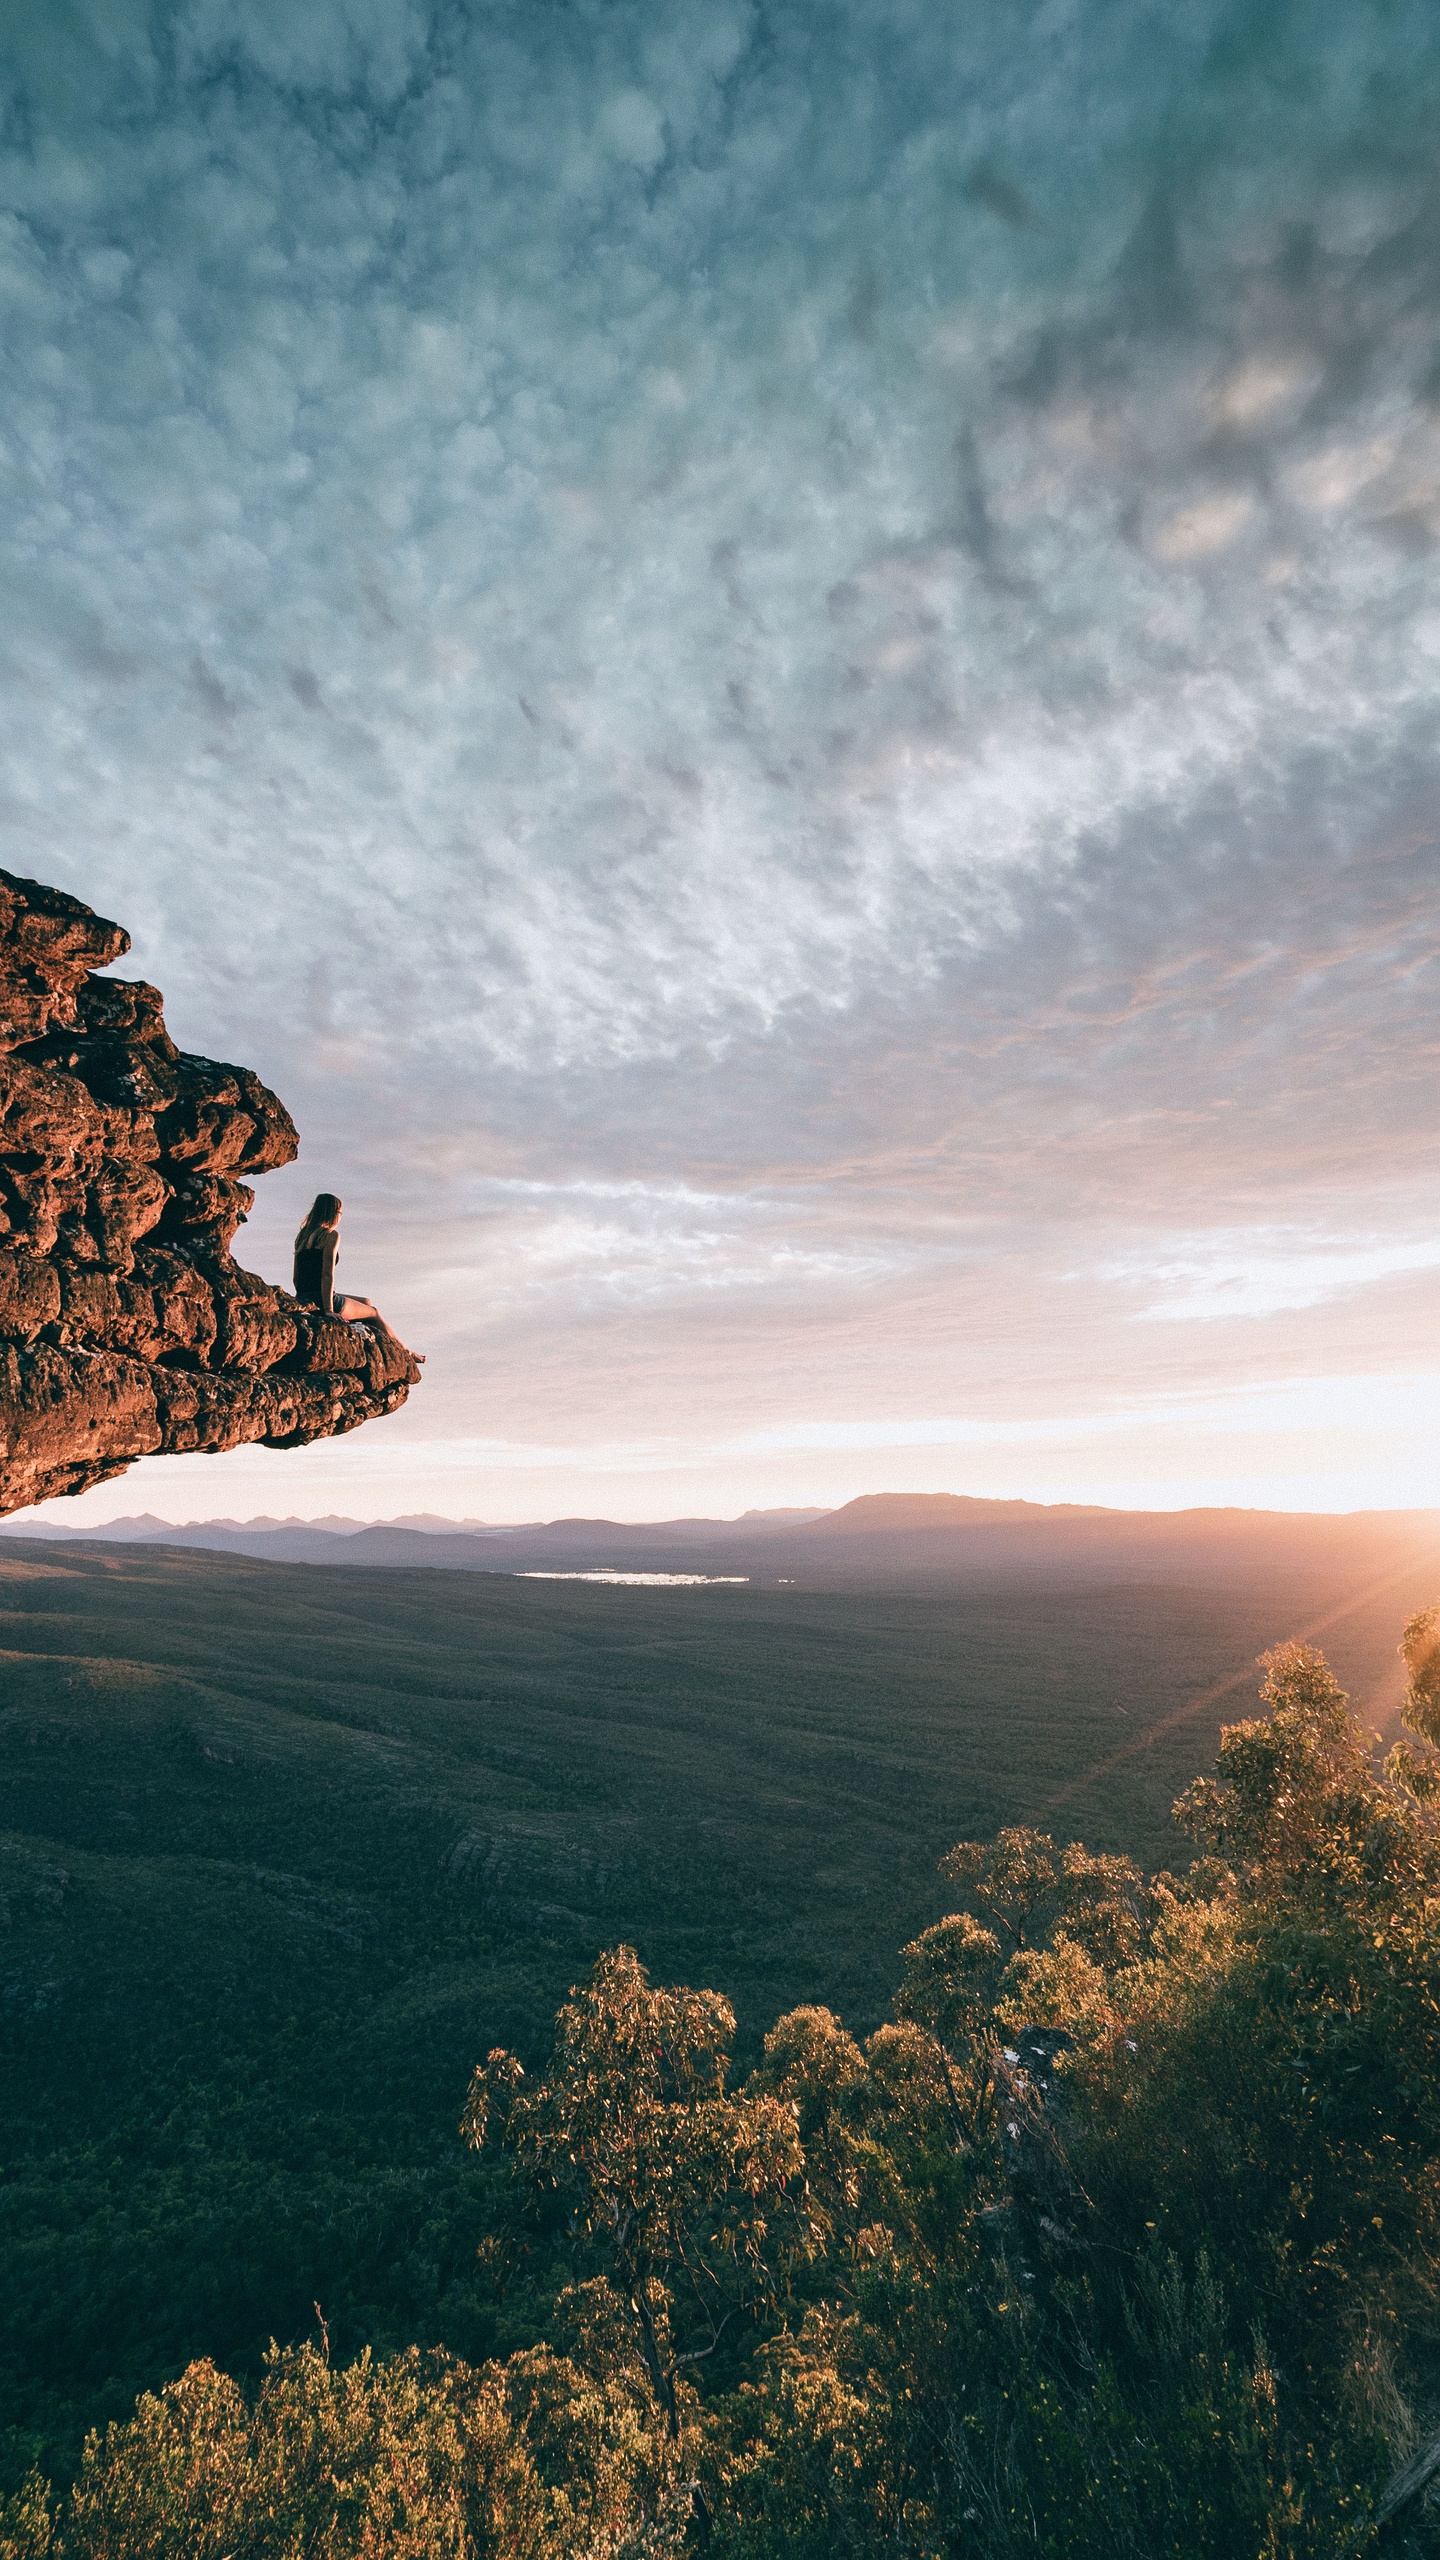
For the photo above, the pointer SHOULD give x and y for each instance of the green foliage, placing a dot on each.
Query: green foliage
(1193, 2312)
(692, 2202)
(418, 2458)
(1121, 2237)
(949, 1979)
(1013, 1878)
(1420, 1646)
(27, 2520)
(289, 1845)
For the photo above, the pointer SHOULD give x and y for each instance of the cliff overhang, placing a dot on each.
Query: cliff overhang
(127, 1329)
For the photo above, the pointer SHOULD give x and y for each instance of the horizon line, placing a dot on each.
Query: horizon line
(802, 1514)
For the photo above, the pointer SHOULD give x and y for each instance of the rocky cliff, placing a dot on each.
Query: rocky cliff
(126, 1329)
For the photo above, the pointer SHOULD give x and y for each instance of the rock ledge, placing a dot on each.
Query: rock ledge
(126, 1328)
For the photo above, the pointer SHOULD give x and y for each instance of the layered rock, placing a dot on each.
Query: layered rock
(127, 1329)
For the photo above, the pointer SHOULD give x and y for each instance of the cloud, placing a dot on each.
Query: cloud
(825, 629)
(1223, 1278)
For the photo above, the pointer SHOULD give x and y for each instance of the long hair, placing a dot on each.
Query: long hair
(323, 1211)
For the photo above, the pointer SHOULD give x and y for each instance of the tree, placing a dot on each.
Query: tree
(1027, 1888)
(1420, 1646)
(418, 2457)
(1013, 1878)
(692, 2204)
(1298, 1806)
(948, 1990)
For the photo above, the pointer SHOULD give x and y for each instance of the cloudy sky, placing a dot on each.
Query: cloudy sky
(778, 660)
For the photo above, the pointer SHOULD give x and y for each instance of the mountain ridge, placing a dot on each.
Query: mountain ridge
(876, 1513)
(879, 1541)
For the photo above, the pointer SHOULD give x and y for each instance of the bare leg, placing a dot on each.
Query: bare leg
(355, 1311)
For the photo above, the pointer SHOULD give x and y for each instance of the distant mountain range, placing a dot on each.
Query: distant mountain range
(883, 1538)
(148, 1528)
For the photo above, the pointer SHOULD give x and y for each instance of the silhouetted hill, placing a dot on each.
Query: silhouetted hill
(878, 1540)
(888, 1512)
(920, 1536)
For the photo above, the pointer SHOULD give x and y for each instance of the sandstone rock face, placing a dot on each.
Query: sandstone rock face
(126, 1329)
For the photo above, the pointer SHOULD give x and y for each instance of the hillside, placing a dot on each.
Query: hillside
(289, 1847)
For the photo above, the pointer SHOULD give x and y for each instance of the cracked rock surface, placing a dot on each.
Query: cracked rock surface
(126, 1328)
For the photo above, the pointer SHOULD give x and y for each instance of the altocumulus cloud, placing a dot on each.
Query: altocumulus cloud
(779, 661)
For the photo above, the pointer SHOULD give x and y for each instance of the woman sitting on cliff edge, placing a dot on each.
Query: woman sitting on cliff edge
(316, 1248)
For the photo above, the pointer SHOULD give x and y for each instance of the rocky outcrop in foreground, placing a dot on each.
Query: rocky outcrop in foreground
(126, 1329)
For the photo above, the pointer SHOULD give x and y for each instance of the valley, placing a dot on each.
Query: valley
(288, 1847)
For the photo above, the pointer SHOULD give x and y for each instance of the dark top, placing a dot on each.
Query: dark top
(315, 1273)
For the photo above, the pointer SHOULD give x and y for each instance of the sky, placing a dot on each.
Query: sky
(779, 664)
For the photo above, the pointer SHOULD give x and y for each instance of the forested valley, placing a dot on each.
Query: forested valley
(1120, 2235)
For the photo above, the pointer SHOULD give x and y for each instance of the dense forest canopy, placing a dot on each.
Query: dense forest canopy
(1121, 2236)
